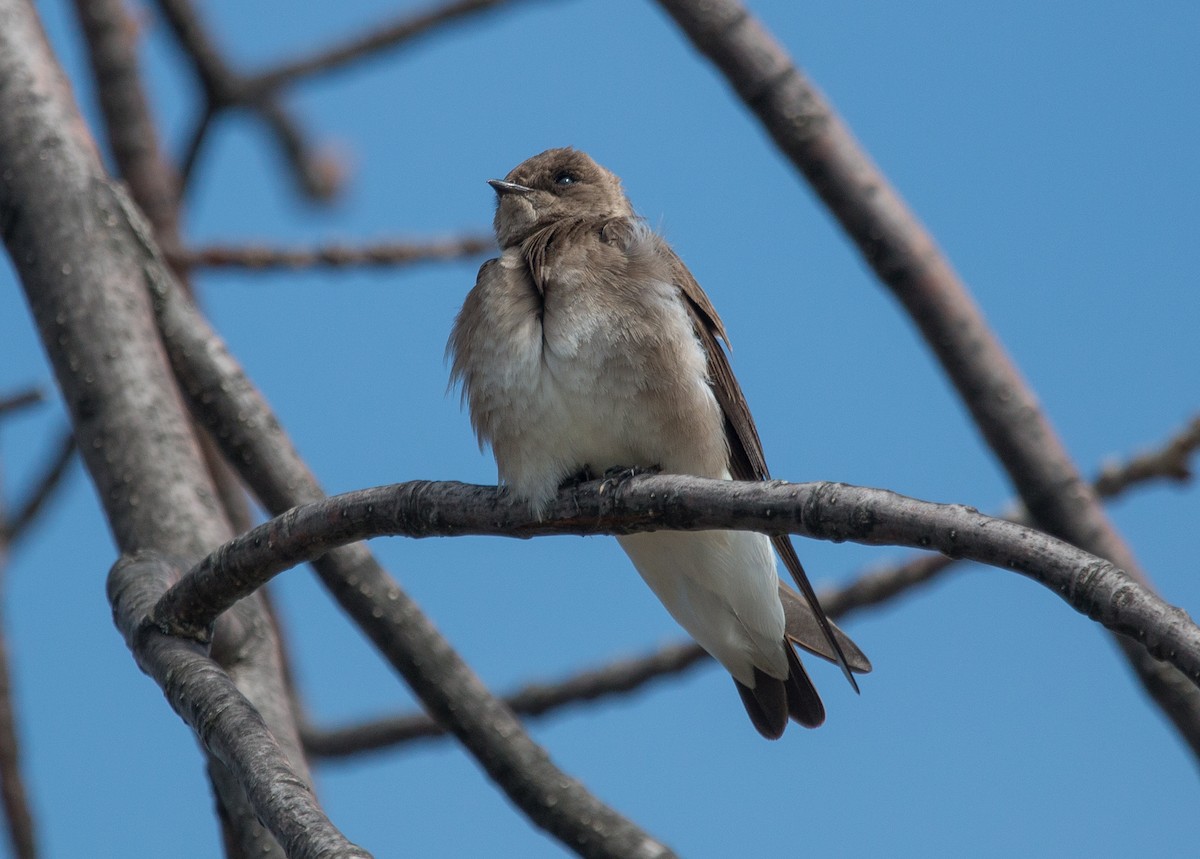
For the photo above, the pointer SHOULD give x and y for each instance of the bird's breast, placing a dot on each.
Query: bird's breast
(596, 369)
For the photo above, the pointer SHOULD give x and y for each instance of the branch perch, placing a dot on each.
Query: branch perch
(826, 511)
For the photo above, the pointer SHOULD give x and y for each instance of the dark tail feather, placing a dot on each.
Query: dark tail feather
(766, 704)
(803, 703)
(771, 701)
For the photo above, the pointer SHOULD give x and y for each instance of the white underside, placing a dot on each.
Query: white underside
(721, 587)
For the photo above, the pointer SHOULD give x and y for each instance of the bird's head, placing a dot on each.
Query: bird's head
(552, 186)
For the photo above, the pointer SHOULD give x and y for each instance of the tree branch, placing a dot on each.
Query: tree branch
(230, 727)
(22, 400)
(382, 37)
(332, 256)
(22, 831)
(906, 259)
(824, 511)
(319, 177)
(77, 245)
(1167, 462)
(535, 699)
(38, 496)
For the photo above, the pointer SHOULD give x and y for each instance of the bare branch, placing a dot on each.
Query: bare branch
(536, 699)
(382, 37)
(255, 443)
(13, 795)
(225, 88)
(1169, 462)
(824, 511)
(21, 830)
(332, 256)
(41, 490)
(869, 589)
(907, 260)
(111, 37)
(20, 401)
(77, 243)
(231, 728)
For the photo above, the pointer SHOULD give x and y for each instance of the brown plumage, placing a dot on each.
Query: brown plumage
(588, 344)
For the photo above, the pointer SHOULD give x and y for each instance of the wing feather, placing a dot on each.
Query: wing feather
(746, 458)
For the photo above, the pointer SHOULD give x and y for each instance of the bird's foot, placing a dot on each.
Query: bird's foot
(619, 474)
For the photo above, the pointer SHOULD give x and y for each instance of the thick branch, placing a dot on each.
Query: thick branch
(907, 260)
(1167, 462)
(245, 645)
(77, 243)
(111, 39)
(332, 256)
(230, 727)
(825, 511)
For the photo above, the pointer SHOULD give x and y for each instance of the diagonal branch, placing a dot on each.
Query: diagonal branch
(231, 728)
(332, 256)
(382, 37)
(76, 243)
(14, 798)
(907, 260)
(246, 645)
(41, 490)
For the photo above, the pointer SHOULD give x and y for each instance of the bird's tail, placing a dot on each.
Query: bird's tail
(772, 701)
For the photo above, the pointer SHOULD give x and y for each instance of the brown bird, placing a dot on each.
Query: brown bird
(589, 346)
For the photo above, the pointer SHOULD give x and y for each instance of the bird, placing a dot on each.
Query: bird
(588, 347)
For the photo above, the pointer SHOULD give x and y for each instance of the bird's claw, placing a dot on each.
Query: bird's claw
(619, 474)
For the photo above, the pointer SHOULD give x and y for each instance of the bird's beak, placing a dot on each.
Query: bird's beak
(503, 187)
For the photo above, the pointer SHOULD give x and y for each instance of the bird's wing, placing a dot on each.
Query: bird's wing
(746, 459)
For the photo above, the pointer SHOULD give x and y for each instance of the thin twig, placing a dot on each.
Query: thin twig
(535, 699)
(20, 401)
(1169, 462)
(226, 88)
(41, 490)
(332, 256)
(379, 38)
(22, 831)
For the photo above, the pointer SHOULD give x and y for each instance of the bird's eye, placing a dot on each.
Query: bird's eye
(565, 177)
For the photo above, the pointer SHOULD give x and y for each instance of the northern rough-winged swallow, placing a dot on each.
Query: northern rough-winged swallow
(588, 346)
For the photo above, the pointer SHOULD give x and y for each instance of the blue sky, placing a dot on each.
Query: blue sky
(1051, 150)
